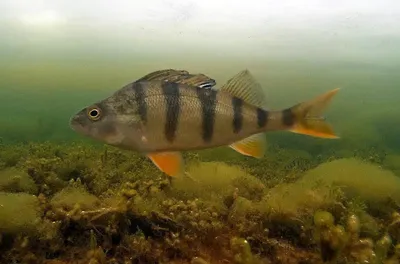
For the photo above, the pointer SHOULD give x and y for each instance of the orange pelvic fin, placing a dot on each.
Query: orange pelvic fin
(171, 163)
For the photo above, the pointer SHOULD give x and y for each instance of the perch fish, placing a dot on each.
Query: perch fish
(160, 118)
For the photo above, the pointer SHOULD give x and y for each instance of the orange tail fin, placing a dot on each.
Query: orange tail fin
(308, 118)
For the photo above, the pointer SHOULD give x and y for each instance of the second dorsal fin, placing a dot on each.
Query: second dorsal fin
(244, 86)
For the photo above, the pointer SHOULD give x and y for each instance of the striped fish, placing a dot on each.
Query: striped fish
(162, 118)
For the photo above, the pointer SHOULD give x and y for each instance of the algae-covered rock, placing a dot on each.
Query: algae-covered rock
(14, 180)
(19, 213)
(209, 180)
(357, 178)
(329, 182)
(298, 198)
(72, 195)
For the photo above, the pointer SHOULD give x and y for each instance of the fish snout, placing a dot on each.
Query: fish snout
(76, 123)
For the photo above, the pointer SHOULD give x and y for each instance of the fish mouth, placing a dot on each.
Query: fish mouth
(75, 124)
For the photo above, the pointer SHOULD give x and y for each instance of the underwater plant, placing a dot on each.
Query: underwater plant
(92, 204)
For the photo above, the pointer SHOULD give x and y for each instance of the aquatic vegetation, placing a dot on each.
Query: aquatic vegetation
(19, 213)
(75, 194)
(242, 251)
(345, 243)
(355, 177)
(84, 204)
(392, 162)
(14, 180)
(216, 179)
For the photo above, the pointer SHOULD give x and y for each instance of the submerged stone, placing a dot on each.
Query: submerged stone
(15, 180)
(70, 196)
(19, 213)
(357, 178)
(213, 180)
(324, 185)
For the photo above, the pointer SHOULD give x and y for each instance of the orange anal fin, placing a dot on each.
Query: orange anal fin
(171, 163)
(253, 146)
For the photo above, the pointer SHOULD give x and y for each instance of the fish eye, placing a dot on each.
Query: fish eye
(94, 113)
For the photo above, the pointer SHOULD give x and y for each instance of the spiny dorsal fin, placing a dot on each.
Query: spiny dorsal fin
(244, 86)
(180, 76)
(162, 75)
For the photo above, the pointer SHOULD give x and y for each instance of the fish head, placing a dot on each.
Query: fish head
(106, 122)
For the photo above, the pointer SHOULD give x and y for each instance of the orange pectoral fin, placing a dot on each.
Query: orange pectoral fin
(171, 163)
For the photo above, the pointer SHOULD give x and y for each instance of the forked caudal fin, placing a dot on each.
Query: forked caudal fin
(308, 118)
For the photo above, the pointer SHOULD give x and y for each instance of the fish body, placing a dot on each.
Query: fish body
(161, 118)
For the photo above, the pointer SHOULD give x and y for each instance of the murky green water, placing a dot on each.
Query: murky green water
(308, 199)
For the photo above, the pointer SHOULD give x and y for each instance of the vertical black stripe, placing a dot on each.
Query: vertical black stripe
(262, 117)
(208, 100)
(139, 99)
(172, 105)
(288, 117)
(237, 104)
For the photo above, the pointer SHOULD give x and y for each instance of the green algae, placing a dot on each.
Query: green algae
(14, 180)
(74, 195)
(101, 205)
(19, 213)
(356, 177)
(210, 180)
